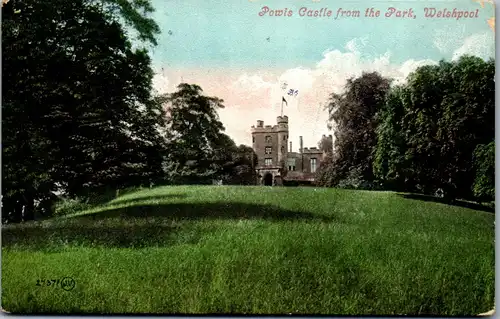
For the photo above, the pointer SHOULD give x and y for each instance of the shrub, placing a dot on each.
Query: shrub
(68, 206)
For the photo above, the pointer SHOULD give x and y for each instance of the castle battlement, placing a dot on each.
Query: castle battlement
(282, 126)
(282, 119)
(312, 150)
(264, 129)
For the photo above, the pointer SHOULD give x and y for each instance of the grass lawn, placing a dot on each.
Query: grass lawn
(260, 250)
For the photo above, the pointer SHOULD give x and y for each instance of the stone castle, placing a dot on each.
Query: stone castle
(277, 163)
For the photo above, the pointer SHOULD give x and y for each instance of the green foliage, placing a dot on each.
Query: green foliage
(198, 150)
(430, 127)
(134, 14)
(78, 114)
(353, 114)
(484, 183)
(389, 151)
(326, 145)
(240, 169)
(69, 206)
(326, 174)
(355, 180)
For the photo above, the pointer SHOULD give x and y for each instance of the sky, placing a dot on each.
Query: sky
(244, 58)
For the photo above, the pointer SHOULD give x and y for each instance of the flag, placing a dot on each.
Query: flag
(283, 100)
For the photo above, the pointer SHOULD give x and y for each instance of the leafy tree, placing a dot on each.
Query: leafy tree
(78, 115)
(326, 145)
(468, 120)
(390, 148)
(242, 172)
(194, 136)
(327, 174)
(430, 128)
(353, 114)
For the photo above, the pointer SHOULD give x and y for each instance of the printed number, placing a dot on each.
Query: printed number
(42, 282)
(293, 92)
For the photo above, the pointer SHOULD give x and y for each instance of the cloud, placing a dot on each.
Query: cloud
(252, 95)
(306, 111)
(450, 41)
(481, 45)
(356, 44)
(251, 83)
(336, 66)
(447, 39)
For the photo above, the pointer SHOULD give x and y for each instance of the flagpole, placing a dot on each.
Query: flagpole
(281, 106)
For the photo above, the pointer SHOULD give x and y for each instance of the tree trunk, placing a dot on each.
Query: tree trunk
(29, 208)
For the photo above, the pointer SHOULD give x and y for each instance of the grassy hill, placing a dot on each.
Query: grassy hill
(203, 249)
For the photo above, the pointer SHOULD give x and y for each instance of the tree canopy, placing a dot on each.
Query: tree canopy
(352, 116)
(432, 126)
(79, 117)
(78, 114)
(435, 132)
(198, 150)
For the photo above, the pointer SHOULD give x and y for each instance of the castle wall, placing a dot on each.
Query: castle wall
(273, 137)
(280, 155)
(303, 160)
(259, 145)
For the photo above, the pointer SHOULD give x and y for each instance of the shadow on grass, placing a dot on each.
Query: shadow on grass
(458, 203)
(216, 210)
(143, 225)
(160, 198)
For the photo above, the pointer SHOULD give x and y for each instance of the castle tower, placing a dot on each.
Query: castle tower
(270, 144)
(282, 139)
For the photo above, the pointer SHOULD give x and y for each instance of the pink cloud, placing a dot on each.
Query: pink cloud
(252, 94)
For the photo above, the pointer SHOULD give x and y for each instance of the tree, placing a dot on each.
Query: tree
(78, 114)
(431, 127)
(327, 175)
(390, 148)
(243, 172)
(326, 145)
(353, 114)
(194, 136)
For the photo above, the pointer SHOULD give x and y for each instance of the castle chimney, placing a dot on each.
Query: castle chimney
(260, 123)
(301, 144)
(290, 146)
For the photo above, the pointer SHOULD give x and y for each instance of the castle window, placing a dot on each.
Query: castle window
(282, 149)
(268, 162)
(268, 139)
(291, 168)
(253, 139)
(284, 137)
(268, 150)
(313, 165)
